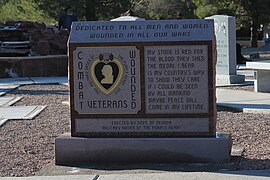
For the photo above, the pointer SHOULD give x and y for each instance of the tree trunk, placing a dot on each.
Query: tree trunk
(91, 10)
(255, 24)
(254, 33)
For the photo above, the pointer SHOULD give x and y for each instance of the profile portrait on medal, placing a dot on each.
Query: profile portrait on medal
(107, 72)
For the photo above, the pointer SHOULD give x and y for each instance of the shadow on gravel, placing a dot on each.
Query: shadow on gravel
(41, 92)
(249, 167)
(237, 166)
(194, 167)
(125, 168)
(228, 109)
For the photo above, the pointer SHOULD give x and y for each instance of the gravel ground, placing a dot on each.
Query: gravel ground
(26, 146)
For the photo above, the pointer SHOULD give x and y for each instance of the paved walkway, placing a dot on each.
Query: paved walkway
(232, 175)
(246, 101)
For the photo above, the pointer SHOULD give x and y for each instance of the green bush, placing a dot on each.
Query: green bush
(23, 10)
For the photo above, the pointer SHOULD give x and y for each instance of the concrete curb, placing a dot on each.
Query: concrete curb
(232, 175)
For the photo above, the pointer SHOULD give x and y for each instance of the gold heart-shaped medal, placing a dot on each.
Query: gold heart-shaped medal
(106, 72)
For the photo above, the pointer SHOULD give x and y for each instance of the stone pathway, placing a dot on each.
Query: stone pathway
(245, 101)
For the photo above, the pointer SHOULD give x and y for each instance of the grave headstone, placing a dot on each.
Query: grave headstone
(225, 31)
(142, 86)
(156, 86)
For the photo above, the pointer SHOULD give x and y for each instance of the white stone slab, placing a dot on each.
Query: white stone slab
(2, 93)
(8, 101)
(241, 66)
(3, 121)
(67, 103)
(256, 111)
(249, 73)
(237, 151)
(4, 88)
(262, 75)
(264, 65)
(21, 112)
(50, 80)
(128, 18)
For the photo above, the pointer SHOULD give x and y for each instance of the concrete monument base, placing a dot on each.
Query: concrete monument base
(75, 150)
(229, 79)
